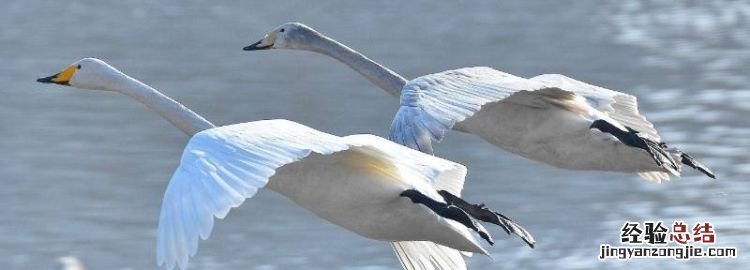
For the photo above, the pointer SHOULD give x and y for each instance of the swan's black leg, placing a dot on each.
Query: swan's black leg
(659, 151)
(448, 211)
(631, 138)
(480, 212)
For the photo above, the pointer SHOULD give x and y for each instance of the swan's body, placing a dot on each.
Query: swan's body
(550, 118)
(536, 119)
(354, 182)
(357, 182)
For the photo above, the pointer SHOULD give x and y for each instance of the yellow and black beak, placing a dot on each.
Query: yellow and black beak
(263, 44)
(62, 77)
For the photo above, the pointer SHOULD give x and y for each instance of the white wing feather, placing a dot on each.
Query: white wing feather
(441, 174)
(433, 104)
(619, 106)
(223, 166)
(449, 176)
(423, 255)
(220, 167)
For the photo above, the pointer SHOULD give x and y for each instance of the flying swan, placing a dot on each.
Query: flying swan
(363, 183)
(550, 118)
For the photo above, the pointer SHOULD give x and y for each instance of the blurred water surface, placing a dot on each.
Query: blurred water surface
(83, 172)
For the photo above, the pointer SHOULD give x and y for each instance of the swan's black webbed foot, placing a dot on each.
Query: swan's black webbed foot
(449, 212)
(480, 212)
(695, 164)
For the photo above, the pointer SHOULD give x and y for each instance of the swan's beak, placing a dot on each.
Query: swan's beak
(62, 77)
(263, 44)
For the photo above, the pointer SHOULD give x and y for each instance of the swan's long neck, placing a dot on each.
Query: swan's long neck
(176, 113)
(381, 76)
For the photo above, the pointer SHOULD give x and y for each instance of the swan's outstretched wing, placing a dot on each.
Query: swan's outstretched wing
(433, 104)
(618, 106)
(223, 166)
(220, 167)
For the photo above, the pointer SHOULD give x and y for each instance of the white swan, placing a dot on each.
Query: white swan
(552, 119)
(363, 183)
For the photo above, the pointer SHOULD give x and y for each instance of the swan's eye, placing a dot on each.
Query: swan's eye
(282, 30)
(79, 66)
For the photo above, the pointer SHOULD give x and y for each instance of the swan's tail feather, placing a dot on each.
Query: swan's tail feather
(424, 255)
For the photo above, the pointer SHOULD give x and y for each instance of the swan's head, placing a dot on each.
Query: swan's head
(87, 73)
(292, 35)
